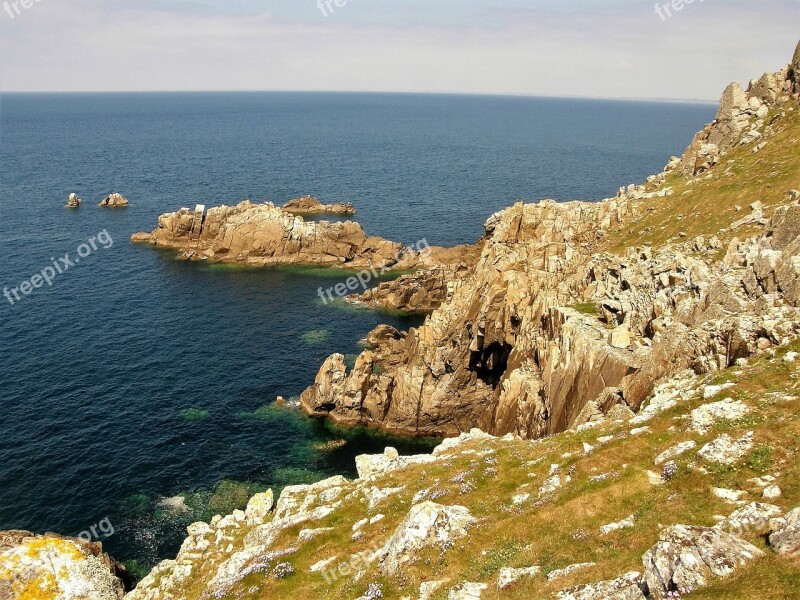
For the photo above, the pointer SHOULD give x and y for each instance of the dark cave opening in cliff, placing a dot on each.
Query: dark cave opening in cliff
(490, 363)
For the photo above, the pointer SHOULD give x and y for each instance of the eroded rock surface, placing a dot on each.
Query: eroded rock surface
(57, 568)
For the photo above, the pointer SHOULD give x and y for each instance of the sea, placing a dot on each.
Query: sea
(137, 391)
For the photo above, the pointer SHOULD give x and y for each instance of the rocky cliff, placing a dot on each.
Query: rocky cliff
(553, 318)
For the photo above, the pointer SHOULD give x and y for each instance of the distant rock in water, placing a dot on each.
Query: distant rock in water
(57, 567)
(262, 234)
(310, 205)
(73, 201)
(114, 200)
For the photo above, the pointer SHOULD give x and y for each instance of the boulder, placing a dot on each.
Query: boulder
(753, 519)
(73, 201)
(705, 417)
(426, 525)
(467, 591)
(786, 540)
(627, 587)
(509, 576)
(675, 451)
(727, 451)
(259, 508)
(687, 558)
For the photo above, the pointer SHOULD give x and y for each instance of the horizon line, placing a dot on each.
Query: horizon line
(371, 92)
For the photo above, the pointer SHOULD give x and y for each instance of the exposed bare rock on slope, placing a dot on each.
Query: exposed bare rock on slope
(688, 558)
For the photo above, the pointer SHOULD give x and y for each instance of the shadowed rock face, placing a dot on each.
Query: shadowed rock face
(262, 234)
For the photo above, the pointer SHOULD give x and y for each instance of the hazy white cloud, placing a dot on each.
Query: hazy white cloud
(617, 48)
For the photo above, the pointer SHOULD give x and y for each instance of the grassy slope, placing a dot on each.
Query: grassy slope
(546, 535)
(707, 206)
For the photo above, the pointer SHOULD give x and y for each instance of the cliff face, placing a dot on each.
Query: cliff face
(262, 234)
(549, 321)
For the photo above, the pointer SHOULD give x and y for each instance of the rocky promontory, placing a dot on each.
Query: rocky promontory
(554, 318)
(262, 234)
(310, 205)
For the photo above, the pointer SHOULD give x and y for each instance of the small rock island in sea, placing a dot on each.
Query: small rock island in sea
(114, 201)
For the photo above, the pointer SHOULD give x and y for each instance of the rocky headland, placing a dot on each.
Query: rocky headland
(633, 364)
(263, 235)
(561, 314)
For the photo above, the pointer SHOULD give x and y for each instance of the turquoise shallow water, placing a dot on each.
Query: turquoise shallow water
(136, 377)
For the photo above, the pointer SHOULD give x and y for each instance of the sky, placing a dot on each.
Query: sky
(599, 48)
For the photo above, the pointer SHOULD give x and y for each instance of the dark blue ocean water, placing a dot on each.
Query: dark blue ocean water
(136, 377)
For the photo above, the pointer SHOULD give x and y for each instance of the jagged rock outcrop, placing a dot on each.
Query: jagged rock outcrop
(262, 234)
(426, 289)
(114, 201)
(50, 566)
(73, 201)
(510, 350)
(742, 119)
(310, 205)
(548, 321)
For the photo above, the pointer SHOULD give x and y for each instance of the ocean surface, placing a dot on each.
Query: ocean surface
(134, 377)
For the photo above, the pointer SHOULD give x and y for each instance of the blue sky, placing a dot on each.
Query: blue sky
(612, 48)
